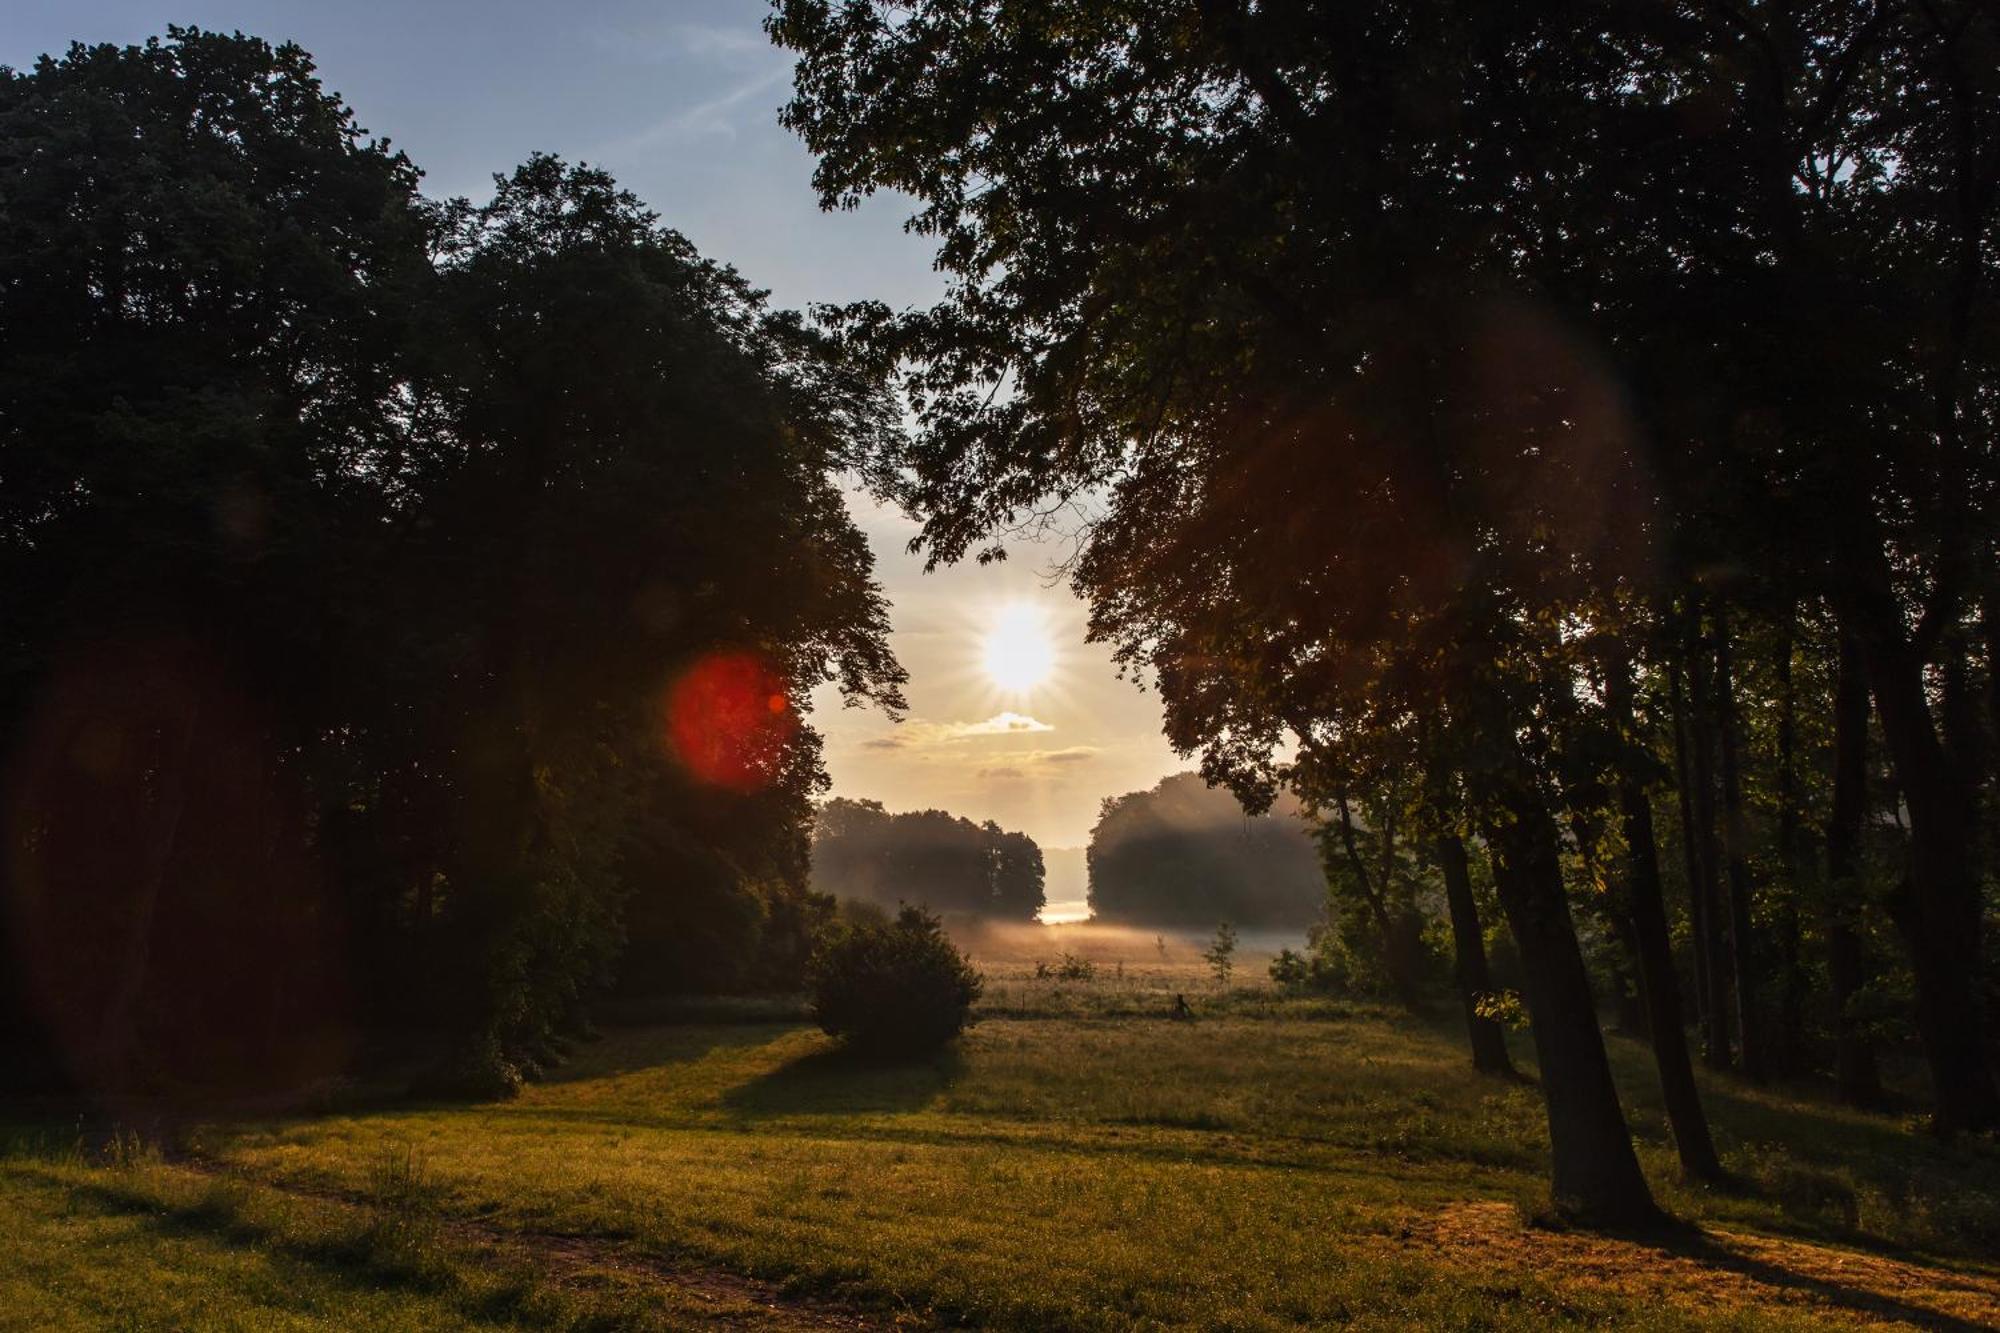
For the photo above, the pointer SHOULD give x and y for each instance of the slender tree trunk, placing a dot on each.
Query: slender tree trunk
(1742, 943)
(1797, 863)
(1660, 982)
(1596, 1176)
(1488, 1038)
(1690, 845)
(1855, 1073)
(1715, 1006)
(111, 1062)
(1940, 918)
(1628, 992)
(1401, 938)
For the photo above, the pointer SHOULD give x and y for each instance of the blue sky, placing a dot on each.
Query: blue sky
(678, 99)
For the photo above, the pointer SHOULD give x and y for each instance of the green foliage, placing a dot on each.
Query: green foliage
(903, 989)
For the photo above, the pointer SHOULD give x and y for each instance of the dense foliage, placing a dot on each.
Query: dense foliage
(892, 988)
(1186, 854)
(1498, 409)
(925, 857)
(398, 599)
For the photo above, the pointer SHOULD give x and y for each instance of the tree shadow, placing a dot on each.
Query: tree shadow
(837, 1081)
(635, 1050)
(1698, 1246)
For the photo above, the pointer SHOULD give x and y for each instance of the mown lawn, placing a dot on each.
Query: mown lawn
(1080, 1161)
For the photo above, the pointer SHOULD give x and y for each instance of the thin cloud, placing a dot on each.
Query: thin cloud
(917, 732)
(1027, 762)
(716, 117)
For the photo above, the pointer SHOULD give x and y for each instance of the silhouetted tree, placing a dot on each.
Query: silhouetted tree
(1184, 854)
(391, 592)
(928, 858)
(1253, 272)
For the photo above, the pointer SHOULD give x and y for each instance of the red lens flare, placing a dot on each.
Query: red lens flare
(730, 719)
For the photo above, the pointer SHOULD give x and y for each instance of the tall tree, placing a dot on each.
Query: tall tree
(1243, 267)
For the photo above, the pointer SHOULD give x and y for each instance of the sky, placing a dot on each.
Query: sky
(678, 99)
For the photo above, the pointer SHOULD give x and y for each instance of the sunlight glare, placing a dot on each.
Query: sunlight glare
(1018, 655)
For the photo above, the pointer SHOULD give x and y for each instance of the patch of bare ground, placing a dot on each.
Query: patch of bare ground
(717, 1297)
(722, 1299)
(1707, 1272)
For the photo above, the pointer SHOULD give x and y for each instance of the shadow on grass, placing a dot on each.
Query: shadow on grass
(1818, 1163)
(836, 1081)
(367, 1249)
(633, 1050)
(1702, 1249)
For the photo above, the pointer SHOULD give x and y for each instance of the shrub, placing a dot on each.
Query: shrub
(902, 988)
(1072, 968)
(1221, 954)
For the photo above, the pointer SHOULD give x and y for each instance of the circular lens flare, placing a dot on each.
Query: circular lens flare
(1017, 653)
(730, 721)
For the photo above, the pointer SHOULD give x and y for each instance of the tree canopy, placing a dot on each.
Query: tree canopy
(925, 858)
(398, 598)
(1187, 854)
(1437, 378)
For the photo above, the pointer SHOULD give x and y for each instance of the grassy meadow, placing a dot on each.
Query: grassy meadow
(1081, 1160)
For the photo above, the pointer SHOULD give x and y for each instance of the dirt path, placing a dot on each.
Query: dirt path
(1711, 1272)
(723, 1299)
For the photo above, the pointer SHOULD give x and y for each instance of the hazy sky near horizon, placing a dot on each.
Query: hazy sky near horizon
(678, 99)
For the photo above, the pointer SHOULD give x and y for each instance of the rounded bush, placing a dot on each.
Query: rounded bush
(896, 988)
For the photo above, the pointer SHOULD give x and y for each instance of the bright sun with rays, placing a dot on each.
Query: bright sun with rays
(1018, 654)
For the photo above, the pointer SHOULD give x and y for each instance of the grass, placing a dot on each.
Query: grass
(1080, 1160)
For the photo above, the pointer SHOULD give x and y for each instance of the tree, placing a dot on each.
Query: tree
(392, 594)
(1247, 274)
(1184, 852)
(1221, 953)
(927, 857)
(206, 285)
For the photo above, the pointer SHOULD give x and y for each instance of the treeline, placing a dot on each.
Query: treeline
(925, 858)
(1562, 434)
(1186, 854)
(406, 605)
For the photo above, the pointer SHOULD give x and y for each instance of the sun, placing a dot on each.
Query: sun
(1017, 652)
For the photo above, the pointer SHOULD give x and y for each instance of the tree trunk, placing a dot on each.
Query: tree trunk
(1659, 981)
(1488, 1038)
(1855, 1074)
(1797, 861)
(1715, 1051)
(1942, 920)
(1736, 848)
(1400, 935)
(1596, 1176)
(111, 1061)
(1940, 915)
(1628, 993)
(1690, 846)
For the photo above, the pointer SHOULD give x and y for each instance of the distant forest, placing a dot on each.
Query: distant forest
(407, 605)
(926, 858)
(1186, 854)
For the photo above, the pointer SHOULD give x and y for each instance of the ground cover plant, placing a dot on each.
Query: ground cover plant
(1078, 1159)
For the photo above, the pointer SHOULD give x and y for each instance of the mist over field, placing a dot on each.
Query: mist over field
(1109, 945)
